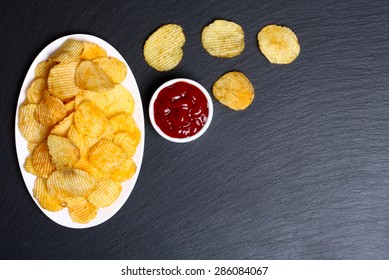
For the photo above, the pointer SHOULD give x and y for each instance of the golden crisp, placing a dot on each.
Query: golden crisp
(80, 210)
(43, 68)
(31, 147)
(127, 141)
(46, 201)
(29, 167)
(278, 44)
(61, 81)
(41, 160)
(69, 51)
(106, 193)
(29, 127)
(82, 141)
(106, 155)
(91, 77)
(118, 100)
(90, 120)
(163, 49)
(234, 90)
(86, 165)
(124, 171)
(92, 51)
(126, 123)
(50, 110)
(62, 128)
(223, 38)
(115, 69)
(64, 153)
(36, 90)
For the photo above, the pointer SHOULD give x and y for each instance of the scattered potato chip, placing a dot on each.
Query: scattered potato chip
(29, 127)
(106, 155)
(126, 123)
(29, 167)
(62, 128)
(84, 164)
(234, 90)
(36, 90)
(98, 98)
(127, 141)
(115, 69)
(92, 51)
(31, 147)
(124, 171)
(41, 161)
(64, 154)
(278, 44)
(50, 110)
(82, 141)
(43, 68)
(61, 81)
(223, 38)
(91, 77)
(70, 107)
(90, 120)
(47, 201)
(69, 51)
(163, 49)
(80, 210)
(105, 194)
(119, 100)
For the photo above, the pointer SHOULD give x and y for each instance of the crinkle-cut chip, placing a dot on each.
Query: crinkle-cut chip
(70, 107)
(29, 127)
(61, 81)
(43, 68)
(90, 120)
(82, 141)
(278, 44)
(64, 153)
(89, 76)
(163, 49)
(29, 167)
(115, 69)
(223, 38)
(92, 51)
(41, 160)
(126, 123)
(84, 164)
(106, 193)
(69, 51)
(70, 183)
(125, 171)
(127, 142)
(98, 98)
(36, 90)
(50, 110)
(234, 90)
(31, 147)
(119, 100)
(62, 128)
(46, 201)
(80, 210)
(106, 155)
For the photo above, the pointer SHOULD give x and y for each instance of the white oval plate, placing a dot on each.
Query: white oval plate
(62, 217)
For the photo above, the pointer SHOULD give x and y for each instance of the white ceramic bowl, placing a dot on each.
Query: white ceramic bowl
(203, 129)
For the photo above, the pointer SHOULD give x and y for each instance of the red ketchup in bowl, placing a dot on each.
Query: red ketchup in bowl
(180, 110)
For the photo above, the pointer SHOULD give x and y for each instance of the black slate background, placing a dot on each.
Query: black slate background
(303, 173)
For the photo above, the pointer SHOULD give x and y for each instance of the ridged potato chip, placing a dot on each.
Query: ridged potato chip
(92, 51)
(29, 167)
(31, 147)
(82, 141)
(62, 128)
(223, 38)
(89, 76)
(69, 51)
(127, 141)
(70, 107)
(64, 153)
(115, 69)
(46, 201)
(43, 68)
(106, 193)
(80, 210)
(163, 49)
(29, 127)
(126, 123)
(41, 160)
(86, 165)
(234, 90)
(50, 110)
(118, 100)
(90, 120)
(36, 90)
(97, 98)
(278, 44)
(106, 155)
(124, 171)
(61, 81)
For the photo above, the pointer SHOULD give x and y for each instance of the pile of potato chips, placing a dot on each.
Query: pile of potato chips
(77, 119)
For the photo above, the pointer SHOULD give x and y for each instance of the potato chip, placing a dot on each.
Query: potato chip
(91, 77)
(106, 155)
(29, 167)
(43, 68)
(119, 100)
(84, 164)
(70, 183)
(98, 98)
(124, 171)
(50, 110)
(36, 90)
(90, 120)
(92, 51)
(46, 201)
(70, 107)
(31, 147)
(80, 210)
(82, 141)
(127, 141)
(63, 127)
(278, 44)
(61, 81)
(41, 160)
(114, 68)
(29, 127)
(126, 123)
(69, 51)
(234, 90)
(64, 153)
(106, 193)
(163, 49)
(223, 38)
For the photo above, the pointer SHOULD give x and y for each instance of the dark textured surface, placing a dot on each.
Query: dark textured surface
(303, 173)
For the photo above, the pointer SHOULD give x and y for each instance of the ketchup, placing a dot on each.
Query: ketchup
(181, 110)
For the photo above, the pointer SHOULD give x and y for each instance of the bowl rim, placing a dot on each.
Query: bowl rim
(202, 130)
